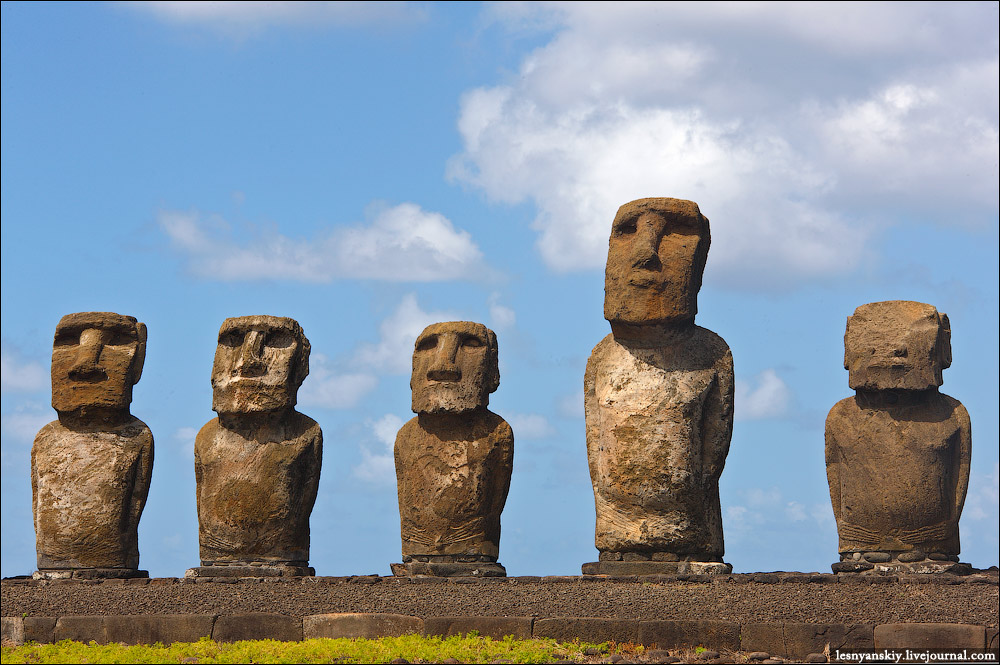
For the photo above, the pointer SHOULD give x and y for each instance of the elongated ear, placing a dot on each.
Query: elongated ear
(944, 342)
(140, 353)
(847, 335)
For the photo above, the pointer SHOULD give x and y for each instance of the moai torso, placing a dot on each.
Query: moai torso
(898, 452)
(257, 465)
(90, 470)
(658, 397)
(454, 460)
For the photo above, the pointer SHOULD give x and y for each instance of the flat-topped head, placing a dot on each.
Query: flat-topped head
(260, 362)
(454, 367)
(96, 359)
(896, 345)
(656, 258)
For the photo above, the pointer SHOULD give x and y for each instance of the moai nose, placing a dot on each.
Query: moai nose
(646, 243)
(444, 367)
(87, 367)
(251, 361)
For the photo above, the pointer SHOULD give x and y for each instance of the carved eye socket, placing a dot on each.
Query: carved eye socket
(232, 338)
(279, 339)
(472, 343)
(627, 227)
(67, 337)
(427, 343)
(119, 337)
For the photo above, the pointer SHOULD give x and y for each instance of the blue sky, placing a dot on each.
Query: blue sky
(370, 169)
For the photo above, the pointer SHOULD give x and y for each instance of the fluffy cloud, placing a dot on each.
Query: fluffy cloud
(328, 389)
(769, 509)
(378, 466)
(786, 124)
(242, 19)
(530, 426)
(23, 423)
(401, 243)
(769, 399)
(393, 354)
(19, 375)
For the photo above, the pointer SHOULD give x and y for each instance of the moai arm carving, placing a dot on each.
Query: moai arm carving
(718, 417)
(833, 464)
(963, 460)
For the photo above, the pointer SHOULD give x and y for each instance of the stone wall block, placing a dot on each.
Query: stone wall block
(39, 629)
(355, 625)
(153, 628)
(493, 627)
(12, 631)
(589, 629)
(796, 640)
(257, 626)
(672, 634)
(80, 629)
(929, 636)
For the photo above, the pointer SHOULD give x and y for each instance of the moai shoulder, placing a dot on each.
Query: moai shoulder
(257, 464)
(658, 400)
(91, 468)
(454, 459)
(898, 452)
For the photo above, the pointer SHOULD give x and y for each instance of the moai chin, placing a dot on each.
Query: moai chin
(90, 469)
(658, 398)
(257, 465)
(454, 459)
(898, 451)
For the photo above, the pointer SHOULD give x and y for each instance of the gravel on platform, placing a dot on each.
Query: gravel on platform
(736, 599)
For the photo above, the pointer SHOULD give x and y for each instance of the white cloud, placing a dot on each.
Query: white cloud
(768, 509)
(530, 426)
(769, 399)
(746, 109)
(23, 423)
(328, 389)
(185, 436)
(393, 353)
(571, 406)
(378, 466)
(241, 19)
(983, 499)
(19, 375)
(501, 316)
(403, 243)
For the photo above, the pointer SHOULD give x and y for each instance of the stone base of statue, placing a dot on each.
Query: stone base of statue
(252, 569)
(620, 568)
(902, 563)
(89, 574)
(448, 566)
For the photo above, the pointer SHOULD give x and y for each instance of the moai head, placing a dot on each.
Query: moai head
(896, 345)
(454, 367)
(96, 359)
(656, 257)
(260, 363)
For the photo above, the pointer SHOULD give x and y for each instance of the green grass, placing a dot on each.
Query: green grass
(414, 648)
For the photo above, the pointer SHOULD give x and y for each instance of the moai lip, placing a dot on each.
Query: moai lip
(658, 400)
(454, 459)
(90, 469)
(898, 452)
(257, 465)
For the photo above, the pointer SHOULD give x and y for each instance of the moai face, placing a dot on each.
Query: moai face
(96, 359)
(656, 257)
(454, 367)
(260, 363)
(896, 345)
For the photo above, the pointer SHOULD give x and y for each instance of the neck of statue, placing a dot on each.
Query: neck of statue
(880, 399)
(655, 333)
(246, 422)
(95, 417)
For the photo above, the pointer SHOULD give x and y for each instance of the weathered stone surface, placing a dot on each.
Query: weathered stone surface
(494, 627)
(153, 628)
(566, 629)
(257, 626)
(929, 636)
(39, 629)
(656, 568)
(898, 452)
(282, 570)
(367, 626)
(257, 465)
(658, 391)
(11, 631)
(454, 459)
(795, 640)
(90, 469)
(671, 634)
(80, 629)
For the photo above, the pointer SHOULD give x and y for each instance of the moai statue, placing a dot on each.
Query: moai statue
(90, 469)
(898, 451)
(257, 465)
(658, 399)
(454, 459)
